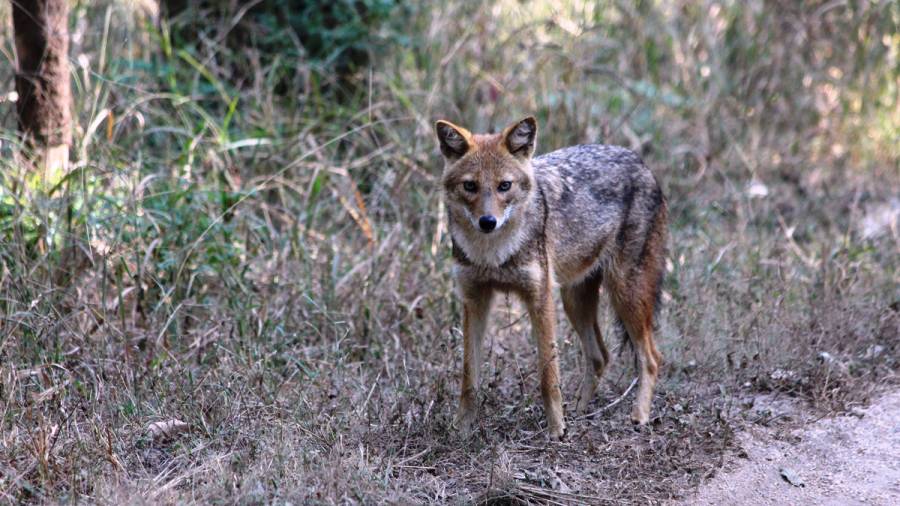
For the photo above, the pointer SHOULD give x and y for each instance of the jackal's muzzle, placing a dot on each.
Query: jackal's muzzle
(487, 223)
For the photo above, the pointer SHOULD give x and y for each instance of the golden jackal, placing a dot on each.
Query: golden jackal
(583, 216)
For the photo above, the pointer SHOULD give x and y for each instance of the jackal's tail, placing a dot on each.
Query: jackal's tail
(655, 265)
(619, 328)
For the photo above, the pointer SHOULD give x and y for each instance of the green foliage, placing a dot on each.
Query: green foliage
(337, 35)
(342, 33)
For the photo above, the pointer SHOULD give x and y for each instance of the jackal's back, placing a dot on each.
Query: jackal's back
(603, 204)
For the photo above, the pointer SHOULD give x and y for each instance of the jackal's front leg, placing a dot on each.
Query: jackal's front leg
(476, 307)
(543, 321)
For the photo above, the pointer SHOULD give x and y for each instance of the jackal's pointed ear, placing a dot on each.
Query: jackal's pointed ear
(520, 137)
(455, 141)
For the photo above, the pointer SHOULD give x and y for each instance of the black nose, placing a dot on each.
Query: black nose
(487, 223)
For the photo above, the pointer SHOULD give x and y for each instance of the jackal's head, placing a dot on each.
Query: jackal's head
(488, 178)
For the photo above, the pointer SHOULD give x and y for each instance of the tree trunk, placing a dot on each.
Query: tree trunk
(42, 81)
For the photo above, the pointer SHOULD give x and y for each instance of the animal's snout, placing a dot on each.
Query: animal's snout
(487, 223)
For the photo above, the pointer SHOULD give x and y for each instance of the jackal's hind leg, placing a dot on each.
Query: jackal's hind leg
(634, 305)
(580, 302)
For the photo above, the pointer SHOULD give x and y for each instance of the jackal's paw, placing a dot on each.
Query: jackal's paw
(558, 432)
(584, 402)
(640, 415)
(586, 394)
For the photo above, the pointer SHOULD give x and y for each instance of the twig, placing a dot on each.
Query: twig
(403, 462)
(557, 494)
(611, 404)
(371, 390)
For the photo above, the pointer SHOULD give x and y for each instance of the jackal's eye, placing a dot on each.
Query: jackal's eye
(470, 186)
(504, 186)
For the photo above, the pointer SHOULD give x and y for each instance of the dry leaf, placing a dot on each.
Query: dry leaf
(791, 477)
(167, 428)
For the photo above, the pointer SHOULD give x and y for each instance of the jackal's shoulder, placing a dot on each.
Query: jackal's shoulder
(593, 153)
(594, 165)
(598, 186)
(589, 158)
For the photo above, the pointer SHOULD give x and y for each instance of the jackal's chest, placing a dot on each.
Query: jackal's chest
(521, 273)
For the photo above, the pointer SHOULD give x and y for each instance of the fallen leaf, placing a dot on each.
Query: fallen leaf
(557, 483)
(791, 477)
(757, 189)
(167, 428)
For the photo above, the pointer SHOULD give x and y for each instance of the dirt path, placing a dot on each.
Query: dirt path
(839, 461)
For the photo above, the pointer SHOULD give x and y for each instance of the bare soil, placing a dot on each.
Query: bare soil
(851, 459)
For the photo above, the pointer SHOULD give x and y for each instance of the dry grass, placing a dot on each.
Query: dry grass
(278, 277)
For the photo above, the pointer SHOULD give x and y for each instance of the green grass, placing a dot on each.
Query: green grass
(269, 264)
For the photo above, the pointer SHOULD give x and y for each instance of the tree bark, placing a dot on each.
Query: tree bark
(43, 81)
